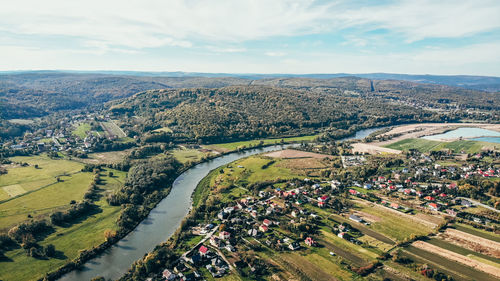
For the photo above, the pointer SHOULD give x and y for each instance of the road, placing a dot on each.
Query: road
(479, 204)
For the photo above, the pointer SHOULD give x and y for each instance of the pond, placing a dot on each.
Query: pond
(477, 134)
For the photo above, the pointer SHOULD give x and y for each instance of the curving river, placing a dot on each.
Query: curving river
(163, 220)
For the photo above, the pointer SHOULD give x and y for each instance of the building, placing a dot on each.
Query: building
(355, 218)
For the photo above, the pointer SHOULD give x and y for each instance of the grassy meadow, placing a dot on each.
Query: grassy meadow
(82, 130)
(230, 146)
(68, 241)
(37, 194)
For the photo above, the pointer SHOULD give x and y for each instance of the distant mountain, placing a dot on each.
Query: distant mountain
(482, 83)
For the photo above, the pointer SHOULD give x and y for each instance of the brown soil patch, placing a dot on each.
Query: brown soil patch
(372, 149)
(367, 217)
(292, 153)
(472, 242)
(458, 258)
(302, 163)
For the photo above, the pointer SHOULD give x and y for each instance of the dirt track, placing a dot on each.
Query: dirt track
(458, 258)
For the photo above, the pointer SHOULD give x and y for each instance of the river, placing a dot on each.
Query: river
(162, 221)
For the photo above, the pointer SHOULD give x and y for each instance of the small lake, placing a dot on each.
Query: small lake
(477, 134)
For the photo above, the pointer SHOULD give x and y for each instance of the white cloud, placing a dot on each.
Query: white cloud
(155, 23)
(275, 54)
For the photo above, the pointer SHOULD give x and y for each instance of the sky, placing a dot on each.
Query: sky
(252, 36)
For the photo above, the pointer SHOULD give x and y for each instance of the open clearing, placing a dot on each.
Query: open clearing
(106, 157)
(292, 153)
(458, 258)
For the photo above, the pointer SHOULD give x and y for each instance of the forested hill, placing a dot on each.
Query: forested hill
(33, 94)
(245, 112)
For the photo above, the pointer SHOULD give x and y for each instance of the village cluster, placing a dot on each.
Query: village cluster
(423, 186)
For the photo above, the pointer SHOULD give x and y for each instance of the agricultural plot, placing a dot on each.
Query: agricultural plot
(457, 270)
(44, 201)
(455, 257)
(68, 241)
(112, 130)
(395, 224)
(20, 180)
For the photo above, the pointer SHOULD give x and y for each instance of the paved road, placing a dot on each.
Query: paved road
(479, 204)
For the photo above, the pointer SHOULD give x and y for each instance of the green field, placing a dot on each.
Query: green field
(68, 240)
(230, 146)
(26, 179)
(82, 130)
(393, 225)
(163, 129)
(186, 154)
(424, 145)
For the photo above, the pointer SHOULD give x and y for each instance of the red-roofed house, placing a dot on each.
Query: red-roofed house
(203, 251)
(267, 222)
(310, 242)
(223, 235)
(429, 198)
(263, 228)
(433, 206)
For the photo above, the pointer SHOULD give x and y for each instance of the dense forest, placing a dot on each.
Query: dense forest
(237, 113)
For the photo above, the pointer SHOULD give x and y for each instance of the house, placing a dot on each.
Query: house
(451, 212)
(429, 198)
(294, 246)
(252, 232)
(341, 234)
(433, 207)
(203, 251)
(267, 222)
(214, 241)
(168, 275)
(230, 248)
(395, 206)
(353, 192)
(466, 203)
(222, 215)
(367, 186)
(223, 235)
(356, 218)
(263, 228)
(310, 242)
(321, 204)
